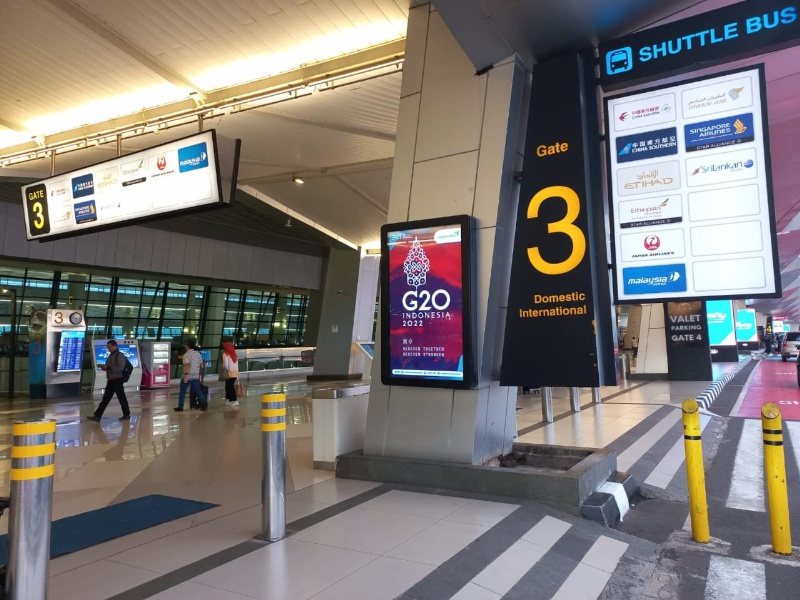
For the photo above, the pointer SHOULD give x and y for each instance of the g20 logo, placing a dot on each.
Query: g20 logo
(425, 301)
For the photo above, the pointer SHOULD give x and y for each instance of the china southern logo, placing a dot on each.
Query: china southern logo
(193, 157)
(416, 266)
(83, 185)
(726, 166)
(657, 279)
(619, 61)
(650, 144)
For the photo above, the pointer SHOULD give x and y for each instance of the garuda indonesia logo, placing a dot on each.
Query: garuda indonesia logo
(416, 266)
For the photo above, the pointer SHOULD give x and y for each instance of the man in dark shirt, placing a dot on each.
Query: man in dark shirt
(114, 365)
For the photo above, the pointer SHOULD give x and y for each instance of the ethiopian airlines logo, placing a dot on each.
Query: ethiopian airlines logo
(417, 265)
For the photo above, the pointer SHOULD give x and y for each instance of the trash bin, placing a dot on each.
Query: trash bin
(623, 367)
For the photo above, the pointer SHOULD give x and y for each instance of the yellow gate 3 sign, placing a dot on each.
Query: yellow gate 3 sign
(566, 226)
(36, 209)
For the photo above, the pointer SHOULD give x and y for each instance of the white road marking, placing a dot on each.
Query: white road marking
(672, 461)
(747, 482)
(638, 449)
(733, 578)
(506, 570)
(588, 580)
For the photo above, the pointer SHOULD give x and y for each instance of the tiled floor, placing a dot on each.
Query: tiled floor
(379, 545)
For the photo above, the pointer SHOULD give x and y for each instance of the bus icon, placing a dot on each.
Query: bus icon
(619, 61)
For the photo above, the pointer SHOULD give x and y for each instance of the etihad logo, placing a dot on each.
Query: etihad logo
(417, 265)
(738, 165)
(107, 179)
(651, 178)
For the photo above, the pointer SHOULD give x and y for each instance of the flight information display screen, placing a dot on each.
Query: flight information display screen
(425, 303)
(70, 351)
(690, 183)
(129, 349)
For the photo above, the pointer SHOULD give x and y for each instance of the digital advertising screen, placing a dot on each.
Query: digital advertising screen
(425, 303)
(129, 348)
(70, 351)
(190, 173)
(691, 192)
(746, 330)
(721, 326)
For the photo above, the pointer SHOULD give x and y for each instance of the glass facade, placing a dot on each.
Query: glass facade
(125, 307)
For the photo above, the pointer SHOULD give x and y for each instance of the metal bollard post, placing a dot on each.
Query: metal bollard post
(775, 474)
(547, 404)
(273, 486)
(31, 511)
(575, 399)
(695, 472)
(597, 397)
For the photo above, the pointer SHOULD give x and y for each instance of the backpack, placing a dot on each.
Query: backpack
(127, 370)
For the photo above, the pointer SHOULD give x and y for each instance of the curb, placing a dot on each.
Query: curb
(713, 391)
(611, 502)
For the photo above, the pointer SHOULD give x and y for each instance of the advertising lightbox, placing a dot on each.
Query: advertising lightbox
(193, 173)
(130, 348)
(746, 331)
(426, 308)
(691, 193)
(721, 327)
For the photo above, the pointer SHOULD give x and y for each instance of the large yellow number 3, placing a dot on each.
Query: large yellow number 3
(39, 212)
(566, 226)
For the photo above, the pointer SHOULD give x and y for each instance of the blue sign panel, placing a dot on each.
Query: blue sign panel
(650, 144)
(83, 186)
(746, 330)
(739, 30)
(721, 327)
(193, 157)
(85, 212)
(729, 131)
(657, 279)
(70, 351)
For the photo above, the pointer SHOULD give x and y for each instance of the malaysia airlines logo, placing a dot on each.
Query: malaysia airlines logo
(417, 265)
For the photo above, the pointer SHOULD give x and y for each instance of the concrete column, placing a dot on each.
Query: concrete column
(459, 142)
(652, 357)
(364, 317)
(337, 315)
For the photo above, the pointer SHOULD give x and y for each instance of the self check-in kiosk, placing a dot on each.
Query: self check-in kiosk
(66, 338)
(130, 348)
(155, 363)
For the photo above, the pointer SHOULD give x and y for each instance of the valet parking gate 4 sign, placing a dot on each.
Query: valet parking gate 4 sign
(559, 276)
(194, 173)
(691, 196)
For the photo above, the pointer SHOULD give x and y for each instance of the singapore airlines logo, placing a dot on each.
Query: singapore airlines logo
(739, 127)
(416, 266)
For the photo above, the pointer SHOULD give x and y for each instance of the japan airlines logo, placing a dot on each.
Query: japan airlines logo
(652, 242)
(416, 266)
(161, 163)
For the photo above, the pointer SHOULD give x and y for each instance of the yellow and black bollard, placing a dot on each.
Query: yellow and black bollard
(775, 474)
(695, 472)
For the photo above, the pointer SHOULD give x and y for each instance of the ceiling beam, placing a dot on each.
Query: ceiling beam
(364, 196)
(372, 133)
(93, 24)
(345, 169)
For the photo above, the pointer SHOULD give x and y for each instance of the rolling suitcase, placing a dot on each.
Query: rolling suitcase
(193, 402)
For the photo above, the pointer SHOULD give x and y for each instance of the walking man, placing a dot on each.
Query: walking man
(192, 363)
(114, 366)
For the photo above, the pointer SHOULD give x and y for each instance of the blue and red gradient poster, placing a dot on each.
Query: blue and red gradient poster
(426, 304)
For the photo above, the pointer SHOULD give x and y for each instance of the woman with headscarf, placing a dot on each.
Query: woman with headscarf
(230, 364)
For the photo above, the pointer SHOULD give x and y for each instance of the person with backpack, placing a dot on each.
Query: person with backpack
(118, 369)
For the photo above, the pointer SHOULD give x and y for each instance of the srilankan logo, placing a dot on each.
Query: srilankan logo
(417, 265)
(652, 242)
(726, 166)
(161, 163)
